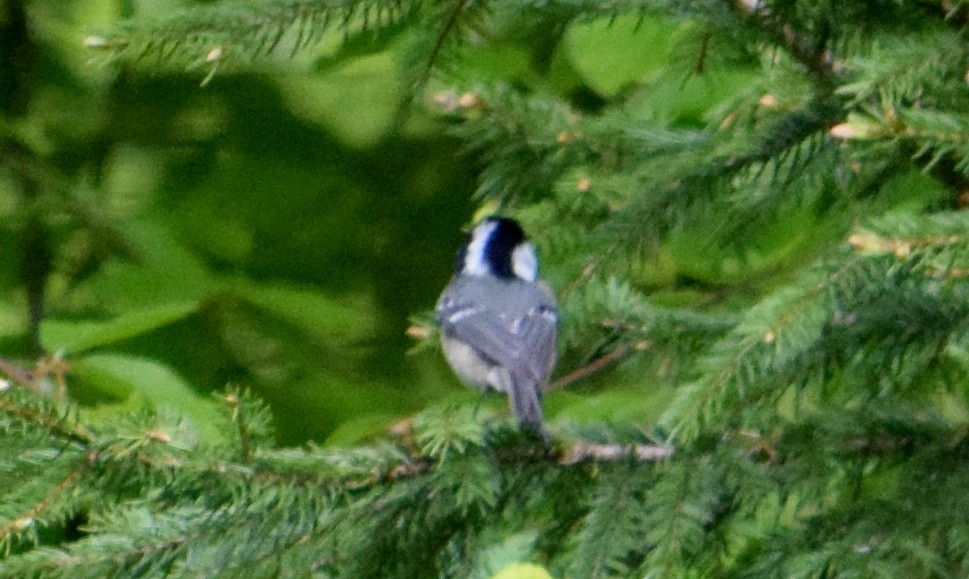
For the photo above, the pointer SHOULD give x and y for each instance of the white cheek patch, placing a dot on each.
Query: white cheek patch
(524, 262)
(474, 259)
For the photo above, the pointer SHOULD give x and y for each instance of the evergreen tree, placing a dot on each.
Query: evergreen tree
(753, 214)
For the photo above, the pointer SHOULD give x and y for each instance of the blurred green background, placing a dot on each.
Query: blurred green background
(271, 230)
(276, 227)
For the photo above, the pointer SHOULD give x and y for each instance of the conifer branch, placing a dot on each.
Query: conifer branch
(36, 511)
(452, 17)
(808, 51)
(46, 417)
(240, 420)
(210, 35)
(609, 539)
(771, 336)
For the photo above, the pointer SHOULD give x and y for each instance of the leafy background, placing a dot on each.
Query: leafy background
(276, 227)
(266, 230)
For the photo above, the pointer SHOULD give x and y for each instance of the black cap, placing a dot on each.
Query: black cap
(504, 238)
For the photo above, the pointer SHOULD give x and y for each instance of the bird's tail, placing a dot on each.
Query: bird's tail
(526, 405)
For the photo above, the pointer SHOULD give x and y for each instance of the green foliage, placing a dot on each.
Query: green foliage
(612, 534)
(207, 36)
(753, 214)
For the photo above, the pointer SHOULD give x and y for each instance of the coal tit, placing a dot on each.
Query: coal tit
(498, 322)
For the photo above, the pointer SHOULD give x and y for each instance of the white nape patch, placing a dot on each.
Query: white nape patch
(474, 257)
(524, 262)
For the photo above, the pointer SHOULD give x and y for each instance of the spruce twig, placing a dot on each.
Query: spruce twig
(36, 511)
(57, 424)
(809, 52)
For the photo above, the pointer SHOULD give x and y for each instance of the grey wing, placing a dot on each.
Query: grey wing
(537, 333)
(488, 334)
(526, 349)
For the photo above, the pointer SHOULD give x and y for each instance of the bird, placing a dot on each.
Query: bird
(498, 321)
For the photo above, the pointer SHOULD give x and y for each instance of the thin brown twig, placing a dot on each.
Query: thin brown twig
(589, 452)
(20, 375)
(591, 368)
